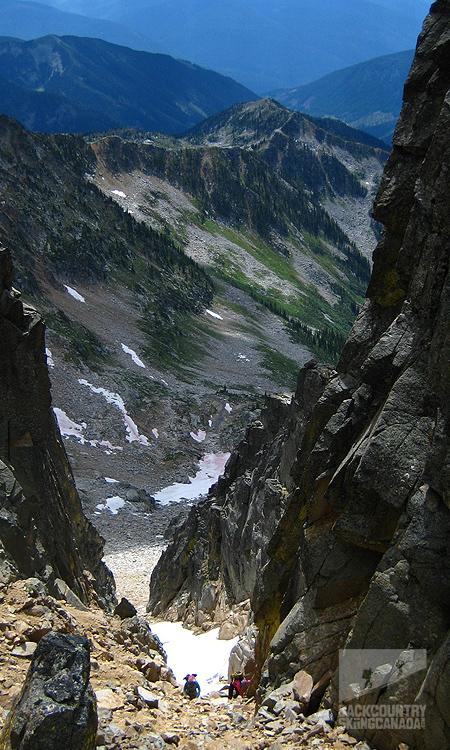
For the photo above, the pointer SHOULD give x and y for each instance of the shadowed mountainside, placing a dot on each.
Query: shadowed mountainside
(43, 531)
(289, 194)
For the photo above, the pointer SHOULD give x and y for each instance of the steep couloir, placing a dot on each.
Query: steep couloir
(334, 513)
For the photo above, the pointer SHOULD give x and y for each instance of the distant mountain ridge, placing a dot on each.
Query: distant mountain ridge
(24, 19)
(264, 44)
(367, 96)
(73, 84)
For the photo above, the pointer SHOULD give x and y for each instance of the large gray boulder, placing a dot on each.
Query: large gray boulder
(57, 707)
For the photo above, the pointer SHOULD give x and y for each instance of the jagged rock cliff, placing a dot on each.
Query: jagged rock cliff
(43, 531)
(334, 513)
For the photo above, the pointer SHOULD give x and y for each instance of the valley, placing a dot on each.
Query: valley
(164, 310)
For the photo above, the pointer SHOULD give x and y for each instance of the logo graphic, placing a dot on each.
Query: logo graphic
(371, 682)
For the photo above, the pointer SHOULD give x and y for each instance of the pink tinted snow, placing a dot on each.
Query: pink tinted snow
(211, 466)
(106, 444)
(67, 427)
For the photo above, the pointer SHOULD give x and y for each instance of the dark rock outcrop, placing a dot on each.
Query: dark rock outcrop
(355, 550)
(216, 555)
(57, 706)
(43, 531)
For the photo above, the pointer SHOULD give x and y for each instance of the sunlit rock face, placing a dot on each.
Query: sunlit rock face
(43, 531)
(348, 495)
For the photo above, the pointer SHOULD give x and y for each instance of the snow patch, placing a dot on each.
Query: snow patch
(50, 362)
(67, 427)
(117, 401)
(113, 504)
(110, 480)
(203, 654)
(73, 293)
(155, 433)
(199, 437)
(119, 193)
(133, 356)
(243, 357)
(228, 408)
(211, 466)
(106, 444)
(213, 314)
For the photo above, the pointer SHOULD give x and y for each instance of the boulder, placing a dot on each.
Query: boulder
(61, 590)
(151, 700)
(108, 700)
(139, 632)
(57, 707)
(283, 692)
(125, 609)
(302, 688)
(228, 630)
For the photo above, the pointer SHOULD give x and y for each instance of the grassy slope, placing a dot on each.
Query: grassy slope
(257, 176)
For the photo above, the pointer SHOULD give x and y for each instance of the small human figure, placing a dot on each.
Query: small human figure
(191, 687)
(236, 685)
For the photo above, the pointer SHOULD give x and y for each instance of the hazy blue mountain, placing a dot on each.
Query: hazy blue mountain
(108, 85)
(259, 42)
(27, 20)
(367, 96)
(264, 44)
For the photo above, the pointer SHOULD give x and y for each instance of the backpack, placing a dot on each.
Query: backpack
(191, 686)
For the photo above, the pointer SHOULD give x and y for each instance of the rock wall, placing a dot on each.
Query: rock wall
(337, 523)
(43, 531)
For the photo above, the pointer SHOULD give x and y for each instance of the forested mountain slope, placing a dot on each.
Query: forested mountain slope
(281, 190)
(74, 84)
(264, 45)
(367, 96)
